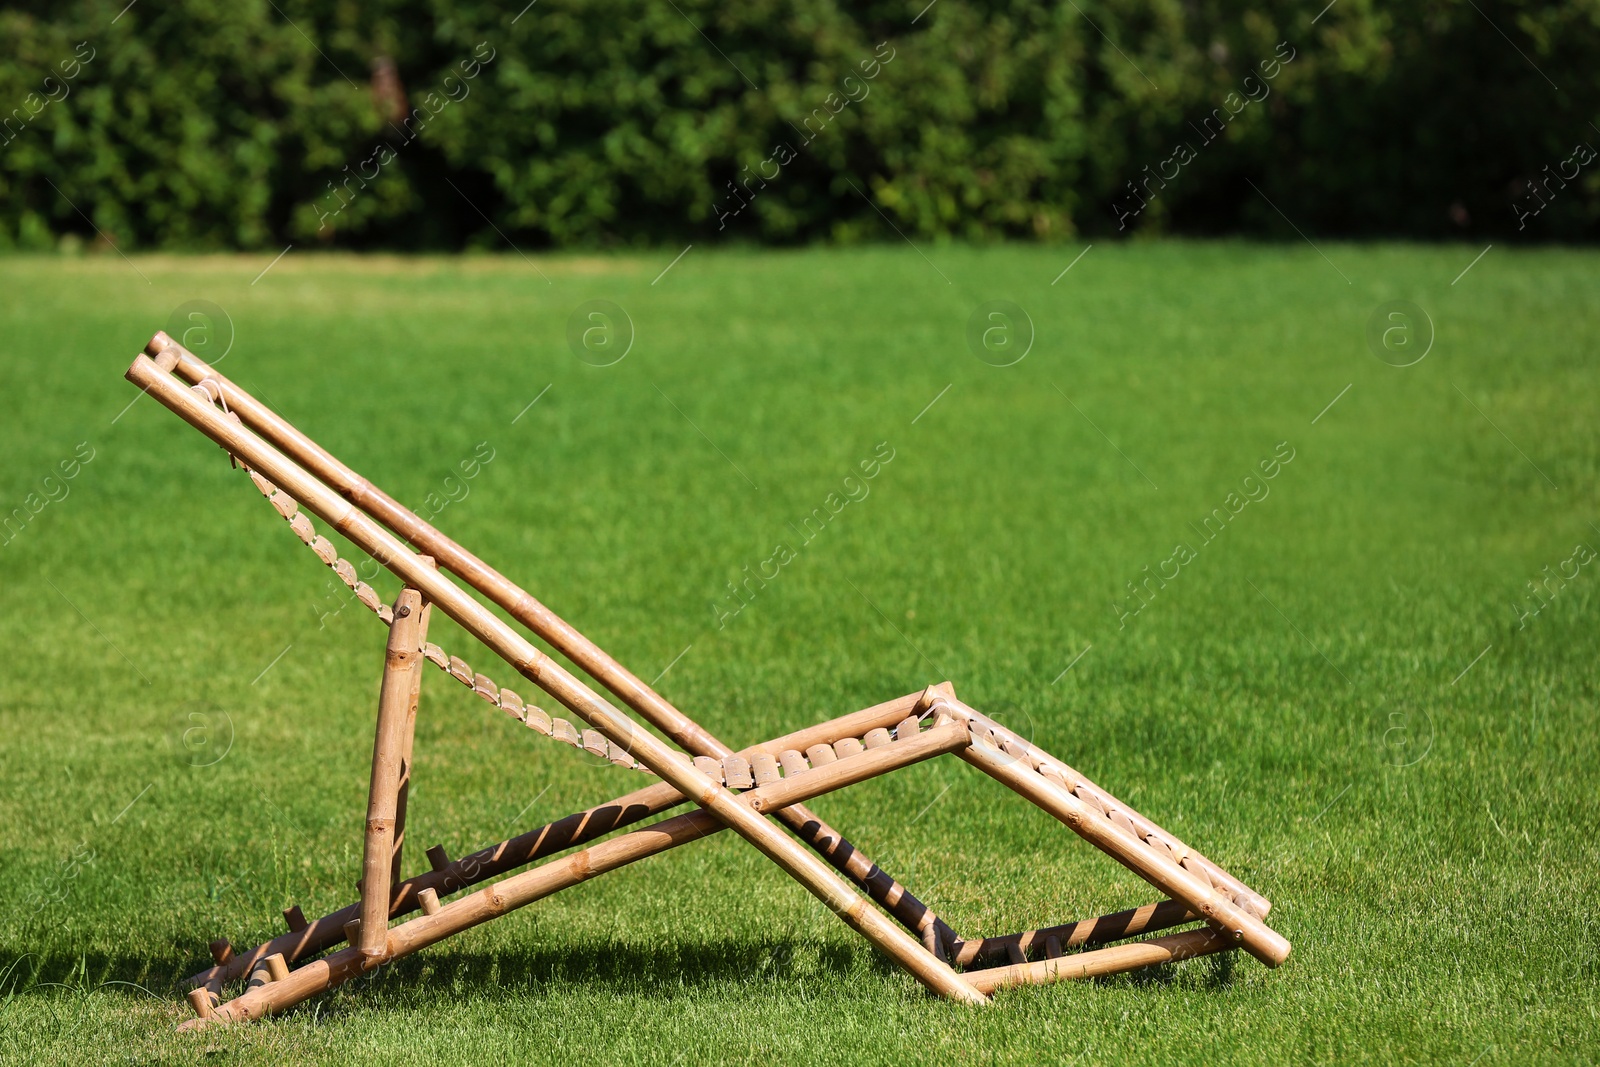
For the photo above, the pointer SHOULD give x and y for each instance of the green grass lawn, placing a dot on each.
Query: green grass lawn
(1337, 697)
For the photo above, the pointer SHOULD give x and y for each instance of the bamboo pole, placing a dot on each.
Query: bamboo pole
(1262, 942)
(1093, 964)
(550, 676)
(409, 735)
(307, 939)
(529, 886)
(1114, 927)
(523, 607)
(402, 667)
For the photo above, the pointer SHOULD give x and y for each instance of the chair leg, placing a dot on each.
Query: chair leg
(409, 736)
(402, 669)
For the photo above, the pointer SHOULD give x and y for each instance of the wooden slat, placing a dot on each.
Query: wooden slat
(793, 763)
(909, 726)
(736, 772)
(877, 738)
(711, 768)
(1198, 870)
(846, 747)
(1013, 747)
(821, 755)
(1120, 818)
(765, 769)
(325, 550)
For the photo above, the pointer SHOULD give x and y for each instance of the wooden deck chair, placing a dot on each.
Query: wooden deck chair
(731, 789)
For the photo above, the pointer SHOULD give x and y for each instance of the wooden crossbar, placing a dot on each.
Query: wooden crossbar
(730, 789)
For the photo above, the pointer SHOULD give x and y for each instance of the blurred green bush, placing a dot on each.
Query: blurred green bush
(461, 123)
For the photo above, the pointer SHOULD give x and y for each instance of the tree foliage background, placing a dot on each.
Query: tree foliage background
(417, 124)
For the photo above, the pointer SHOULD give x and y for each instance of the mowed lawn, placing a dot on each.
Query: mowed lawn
(1344, 689)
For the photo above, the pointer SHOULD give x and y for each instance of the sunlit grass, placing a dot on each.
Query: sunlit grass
(1340, 695)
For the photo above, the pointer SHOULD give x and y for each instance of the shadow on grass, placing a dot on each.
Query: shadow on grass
(603, 967)
(615, 967)
(761, 967)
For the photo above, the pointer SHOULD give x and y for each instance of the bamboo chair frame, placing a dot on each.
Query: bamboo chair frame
(730, 789)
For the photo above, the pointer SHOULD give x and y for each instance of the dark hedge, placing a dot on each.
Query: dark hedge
(459, 123)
